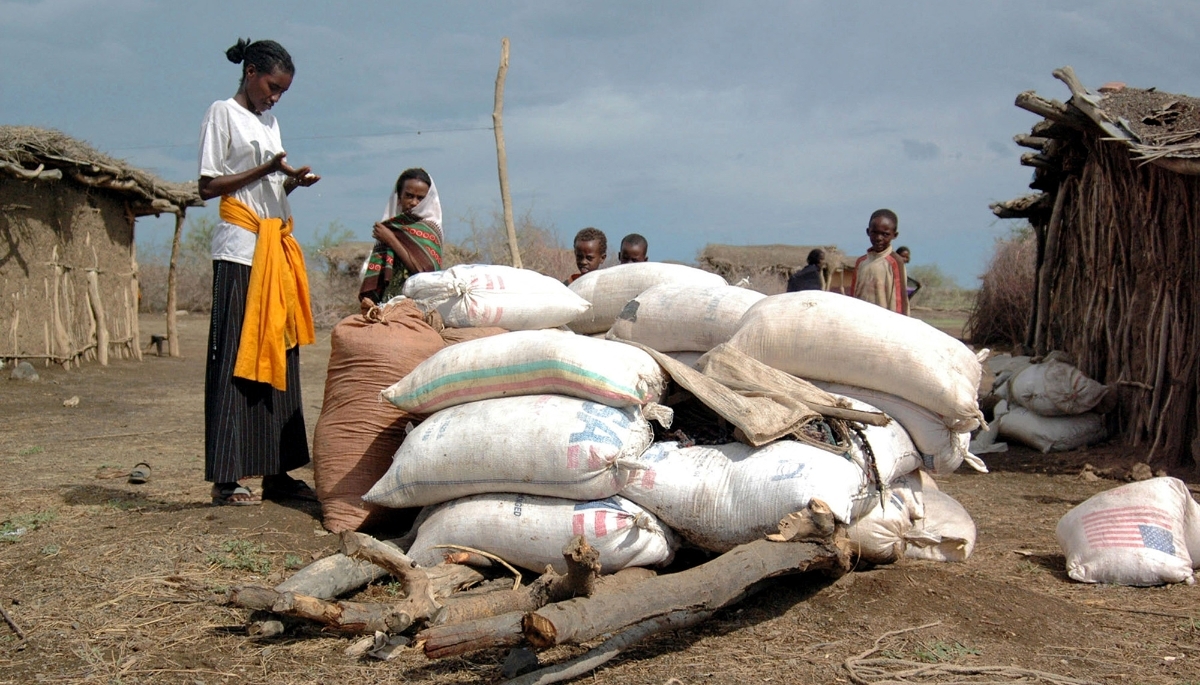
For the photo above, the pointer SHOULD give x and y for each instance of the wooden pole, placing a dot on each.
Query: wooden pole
(1049, 258)
(502, 156)
(93, 283)
(135, 331)
(172, 279)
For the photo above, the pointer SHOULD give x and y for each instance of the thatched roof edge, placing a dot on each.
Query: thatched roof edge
(33, 153)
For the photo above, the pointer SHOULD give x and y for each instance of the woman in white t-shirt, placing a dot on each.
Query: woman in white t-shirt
(253, 419)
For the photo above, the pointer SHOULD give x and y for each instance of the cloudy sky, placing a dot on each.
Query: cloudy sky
(689, 122)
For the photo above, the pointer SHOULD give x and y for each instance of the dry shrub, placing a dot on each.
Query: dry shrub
(1005, 298)
(487, 243)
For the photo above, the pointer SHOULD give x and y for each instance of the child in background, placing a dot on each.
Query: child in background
(591, 249)
(633, 249)
(879, 275)
(812, 276)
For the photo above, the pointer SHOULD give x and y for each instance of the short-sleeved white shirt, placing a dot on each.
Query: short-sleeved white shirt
(232, 140)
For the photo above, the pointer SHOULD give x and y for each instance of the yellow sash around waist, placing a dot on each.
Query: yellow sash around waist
(278, 311)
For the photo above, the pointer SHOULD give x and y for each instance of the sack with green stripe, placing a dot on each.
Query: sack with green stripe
(549, 362)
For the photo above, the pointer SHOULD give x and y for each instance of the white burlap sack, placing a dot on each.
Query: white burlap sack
(718, 497)
(1145, 533)
(475, 295)
(530, 531)
(945, 533)
(1051, 433)
(942, 449)
(893, 449)
(1055, 388)
(538, 445)
(879, 536)
(830, 337)
(681, 318)
(610, 289)
(530, 363)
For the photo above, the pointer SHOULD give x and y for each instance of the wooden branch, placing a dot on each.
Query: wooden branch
(338, 574)
(815, 522)
(713, 585)
(1033, 142)
(413, 579)
(502, 155)
(1035, 159)
(12, 624)
(470, 624)
(93, 284)
(1050, 109)
(610, 648)
(1042, 301)
(347, 617)
(173, 289)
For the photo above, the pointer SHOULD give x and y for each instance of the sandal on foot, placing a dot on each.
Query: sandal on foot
(140, 473)
(284, 487)
(233, 495)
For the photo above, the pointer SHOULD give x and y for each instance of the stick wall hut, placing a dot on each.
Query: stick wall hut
(68, 262)
(1117, 220)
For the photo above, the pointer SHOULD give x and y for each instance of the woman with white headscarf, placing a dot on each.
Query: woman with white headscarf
(408, 239)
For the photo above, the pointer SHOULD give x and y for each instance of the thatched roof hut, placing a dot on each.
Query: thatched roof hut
(1117, 221)
(776, 262)
(68, 263)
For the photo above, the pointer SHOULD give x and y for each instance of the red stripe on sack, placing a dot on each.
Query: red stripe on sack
(601, 524)
(573, 456)
(577, 524)
(648, 479)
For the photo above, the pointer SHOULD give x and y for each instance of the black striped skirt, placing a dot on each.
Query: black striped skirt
(250, 428)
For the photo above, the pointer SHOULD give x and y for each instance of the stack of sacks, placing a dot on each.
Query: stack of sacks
(356, 434)
(609, 290)
(477, 295)
(1051, 406)
(917, 521)
(532, 435)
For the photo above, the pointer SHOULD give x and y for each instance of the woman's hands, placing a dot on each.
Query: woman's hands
(211, 187)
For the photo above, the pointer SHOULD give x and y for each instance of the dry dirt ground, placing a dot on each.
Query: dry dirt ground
(118, 583)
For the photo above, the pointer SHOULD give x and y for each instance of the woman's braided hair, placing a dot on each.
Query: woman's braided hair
(264, 55)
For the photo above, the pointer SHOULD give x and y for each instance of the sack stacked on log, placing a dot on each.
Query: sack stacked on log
(1145, 533)
(538, 445)
(946, 532)
(356, 434)
(718, 497)
(681, 318)
(531, 363)
(826, 336)
(881, 535)
(530, 531)
(942, 449)
(609, 290)
(476, 295)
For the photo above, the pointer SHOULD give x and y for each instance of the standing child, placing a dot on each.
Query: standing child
(633, 249)
(591, 249)
(253, 420)
(879, 275)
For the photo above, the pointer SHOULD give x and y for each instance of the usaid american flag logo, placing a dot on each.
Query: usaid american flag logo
(1130, 527)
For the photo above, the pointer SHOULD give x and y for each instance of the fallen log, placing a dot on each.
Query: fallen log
(343, 616)
(418, 591)
(338, 574)
(713, 585)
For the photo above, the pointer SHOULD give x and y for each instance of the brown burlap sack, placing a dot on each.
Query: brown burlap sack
(357, 432)
(457, 335)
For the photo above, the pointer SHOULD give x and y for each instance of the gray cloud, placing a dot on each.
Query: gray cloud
(920, 150)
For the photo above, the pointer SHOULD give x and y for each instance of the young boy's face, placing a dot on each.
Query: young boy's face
(630, 254)
(588, 256)
(881, 231)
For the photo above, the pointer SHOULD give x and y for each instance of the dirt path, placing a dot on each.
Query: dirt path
(115, 582)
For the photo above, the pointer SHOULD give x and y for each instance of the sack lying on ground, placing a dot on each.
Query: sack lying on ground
(826, 336)
(610, 289)
(530, 531)
(1050, 433)
(945, 533)
(1145, 533)
(880, 535)
(356, 434)
(681, 318)
(470, 295)
(942, 449)
(531, 363)
(539, 445)
(1055, 388)
(718, 497)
